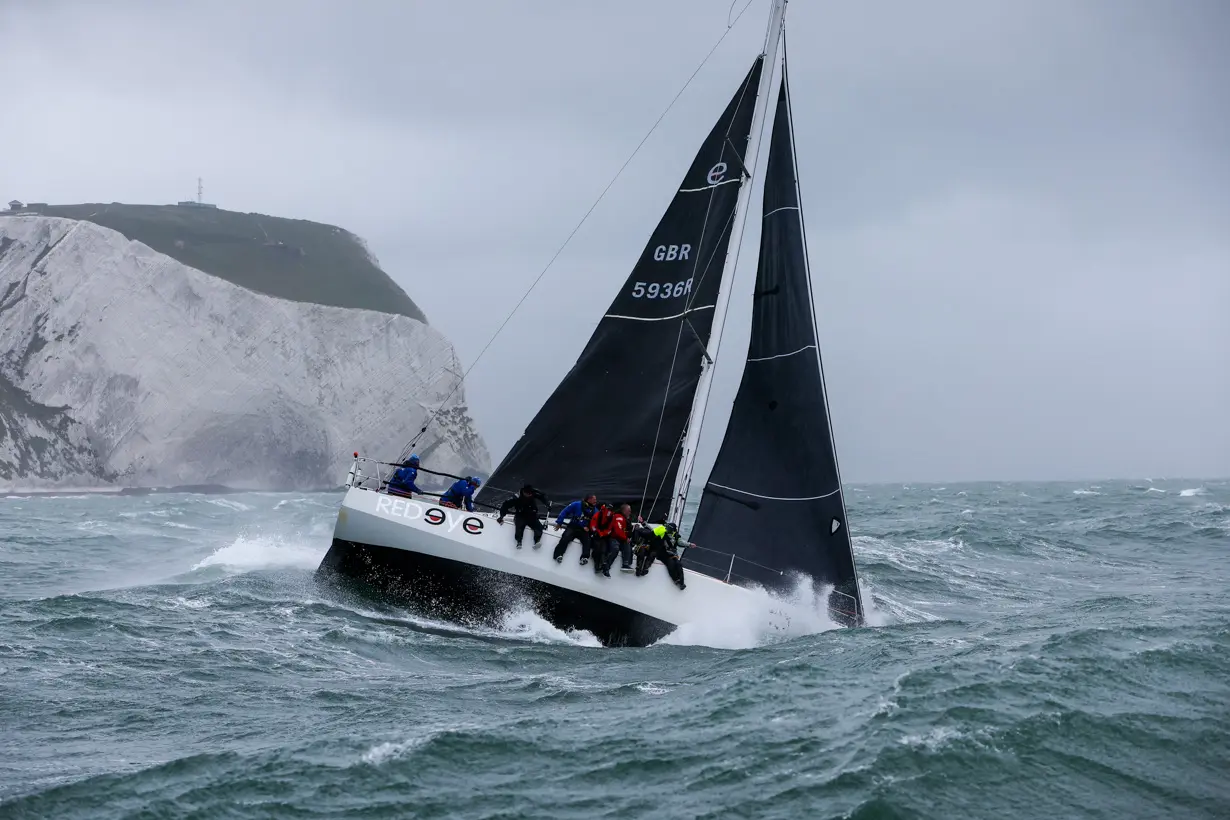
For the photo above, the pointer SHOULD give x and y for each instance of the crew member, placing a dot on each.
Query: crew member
(402, 482)
(661, 541)
(618, 543)
(461, 491)
(525, 512)
(599, 536)
(575, 519)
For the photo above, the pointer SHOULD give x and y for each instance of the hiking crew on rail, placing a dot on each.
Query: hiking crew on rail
(602, 531)
(575, 519)
(524, 507)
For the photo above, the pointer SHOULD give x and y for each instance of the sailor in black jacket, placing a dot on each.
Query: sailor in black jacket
(661, 541)
(524, 506)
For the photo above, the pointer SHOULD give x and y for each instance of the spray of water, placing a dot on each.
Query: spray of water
(255, 552)
(526, 624)
(761, 618)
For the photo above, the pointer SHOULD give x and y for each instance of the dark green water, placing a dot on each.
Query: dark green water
(1044, 650)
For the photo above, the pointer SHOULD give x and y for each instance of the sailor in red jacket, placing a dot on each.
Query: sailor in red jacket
(617, 542)
(599, 535)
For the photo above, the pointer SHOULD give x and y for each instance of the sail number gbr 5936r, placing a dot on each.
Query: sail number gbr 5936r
(666, 290)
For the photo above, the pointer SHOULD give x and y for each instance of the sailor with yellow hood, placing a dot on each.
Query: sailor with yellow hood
(661, 541)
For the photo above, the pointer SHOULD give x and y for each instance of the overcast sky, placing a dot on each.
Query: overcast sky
(1018, 212)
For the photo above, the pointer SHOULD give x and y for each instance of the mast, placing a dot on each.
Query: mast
(777, 21)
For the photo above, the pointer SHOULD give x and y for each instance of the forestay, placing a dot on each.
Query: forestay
(774, 495)
(613, 425)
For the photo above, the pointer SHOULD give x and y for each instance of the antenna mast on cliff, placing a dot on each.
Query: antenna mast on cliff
(200, 191)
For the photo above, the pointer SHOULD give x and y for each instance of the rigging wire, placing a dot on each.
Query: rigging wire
(732, 8)
(730, 24)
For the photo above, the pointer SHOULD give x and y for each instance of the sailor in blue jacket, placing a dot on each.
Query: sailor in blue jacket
(576, 517)
(462, 490)
(402, 482)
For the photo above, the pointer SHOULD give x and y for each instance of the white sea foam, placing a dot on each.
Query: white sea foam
(229, 504)
(897, 612)
(383, 752)
(651, 688)
(247, 553)
(297, 502)
(1085, 492)
(933, 740)
(760, 618)
(1191, 492)
(526, 624)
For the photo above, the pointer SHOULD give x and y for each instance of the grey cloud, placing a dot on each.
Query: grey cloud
(1019, 213)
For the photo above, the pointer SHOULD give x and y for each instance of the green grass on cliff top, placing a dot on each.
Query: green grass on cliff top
(288, 258)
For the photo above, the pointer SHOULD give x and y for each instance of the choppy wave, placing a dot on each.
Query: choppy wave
(264, 552)
(1041, 652)
(529, 625)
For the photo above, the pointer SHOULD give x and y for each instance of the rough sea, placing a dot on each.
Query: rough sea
(1040, 650)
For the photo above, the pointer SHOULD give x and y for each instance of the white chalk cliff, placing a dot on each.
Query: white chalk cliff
(120, 366)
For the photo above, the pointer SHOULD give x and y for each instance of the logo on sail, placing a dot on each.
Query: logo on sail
(717, 173)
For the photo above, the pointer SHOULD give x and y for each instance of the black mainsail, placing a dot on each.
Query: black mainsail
(774, 497)
(614, 424)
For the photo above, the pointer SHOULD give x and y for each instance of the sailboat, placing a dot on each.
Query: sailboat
(626, 421)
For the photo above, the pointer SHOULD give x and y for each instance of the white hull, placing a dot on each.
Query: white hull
(435, 542)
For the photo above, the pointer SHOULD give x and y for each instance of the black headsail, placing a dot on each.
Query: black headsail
(613, 425)
(774, 496)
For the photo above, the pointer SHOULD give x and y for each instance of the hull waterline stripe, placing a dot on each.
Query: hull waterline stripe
(776, 497)
(783, 355)
(657, 318)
